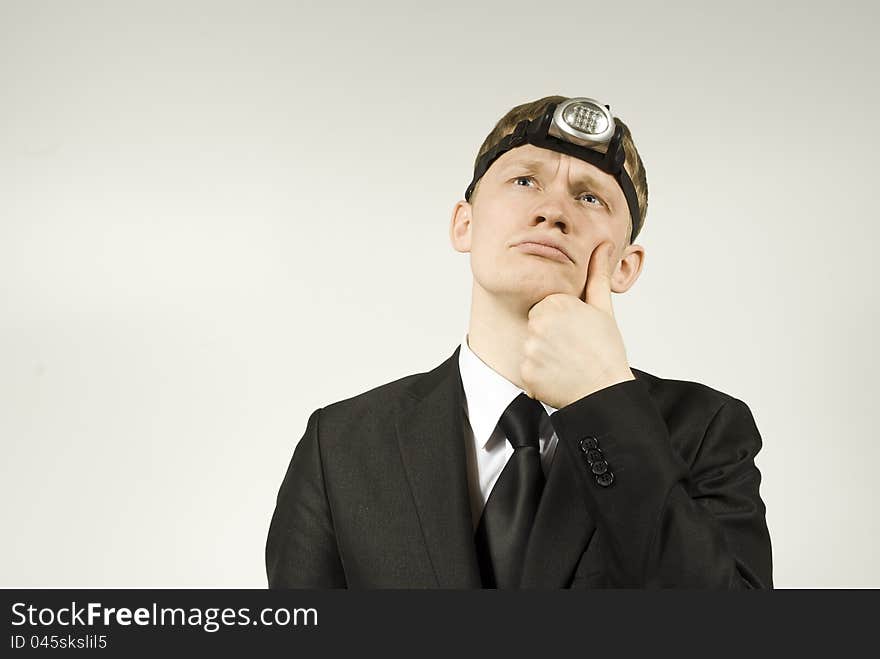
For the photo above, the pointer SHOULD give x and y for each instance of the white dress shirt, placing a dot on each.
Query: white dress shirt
(487, 394)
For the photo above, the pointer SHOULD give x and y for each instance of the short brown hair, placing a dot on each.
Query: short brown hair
(535, 109)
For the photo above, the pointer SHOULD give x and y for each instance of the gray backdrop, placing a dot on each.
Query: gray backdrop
(216, 217)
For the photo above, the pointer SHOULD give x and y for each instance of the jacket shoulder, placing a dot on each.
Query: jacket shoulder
(388, 399)
(669, 393)
(691, 410)
(362, 423)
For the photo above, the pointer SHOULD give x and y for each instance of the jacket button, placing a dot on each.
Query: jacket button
(588, 443)
(594, 455)
(599, 467)
(605, 479)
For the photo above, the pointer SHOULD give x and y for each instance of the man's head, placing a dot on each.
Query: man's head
(536, 194)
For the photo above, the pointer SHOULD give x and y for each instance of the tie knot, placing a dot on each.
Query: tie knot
(521, 421)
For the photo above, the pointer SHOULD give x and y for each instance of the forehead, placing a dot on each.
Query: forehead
(529, 156)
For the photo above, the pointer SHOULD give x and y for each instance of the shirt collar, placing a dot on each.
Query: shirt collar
(487, 394)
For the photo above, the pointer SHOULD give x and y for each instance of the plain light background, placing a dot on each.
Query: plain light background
(216, 217)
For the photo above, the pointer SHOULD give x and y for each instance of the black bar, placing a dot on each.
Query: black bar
(413, 622)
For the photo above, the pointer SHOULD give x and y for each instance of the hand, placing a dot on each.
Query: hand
(573, 347)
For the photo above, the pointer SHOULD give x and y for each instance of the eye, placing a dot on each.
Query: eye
(523, 178)
(592, 196)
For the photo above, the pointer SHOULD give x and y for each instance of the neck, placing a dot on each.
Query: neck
(497, 332)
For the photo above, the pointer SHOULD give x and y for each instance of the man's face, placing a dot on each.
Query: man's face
(535, 194)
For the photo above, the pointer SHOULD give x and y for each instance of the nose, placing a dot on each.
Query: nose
(551, 210)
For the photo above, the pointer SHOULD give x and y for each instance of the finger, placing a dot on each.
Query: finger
(531, 308)
(598, 289)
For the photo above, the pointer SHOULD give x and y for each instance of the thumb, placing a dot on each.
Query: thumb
(597, 291)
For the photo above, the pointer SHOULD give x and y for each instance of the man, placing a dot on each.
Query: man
(534, 456)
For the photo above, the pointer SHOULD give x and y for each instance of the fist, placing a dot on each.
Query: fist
(573, 346)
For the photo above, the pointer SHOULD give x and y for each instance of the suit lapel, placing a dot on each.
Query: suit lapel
(562, 528)
(431, 440)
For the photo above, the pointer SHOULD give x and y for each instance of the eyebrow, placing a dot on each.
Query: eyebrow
(539, 165)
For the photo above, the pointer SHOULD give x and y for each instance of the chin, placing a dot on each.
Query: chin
(540, 285)
(527, 285)
(528, 296)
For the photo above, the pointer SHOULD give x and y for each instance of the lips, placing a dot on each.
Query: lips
(543, 247)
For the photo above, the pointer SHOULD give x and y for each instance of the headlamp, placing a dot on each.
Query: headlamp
(574, 127)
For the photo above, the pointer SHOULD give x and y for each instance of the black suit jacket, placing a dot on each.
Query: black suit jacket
(376, 493)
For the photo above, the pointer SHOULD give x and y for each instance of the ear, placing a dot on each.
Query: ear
(628, 268)
(460, 226)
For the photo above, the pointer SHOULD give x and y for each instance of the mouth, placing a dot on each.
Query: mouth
(547, 251)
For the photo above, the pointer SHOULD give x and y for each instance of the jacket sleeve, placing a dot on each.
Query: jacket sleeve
(301, 550)
(666, 523)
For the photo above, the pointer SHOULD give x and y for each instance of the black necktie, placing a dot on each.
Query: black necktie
(507, 519)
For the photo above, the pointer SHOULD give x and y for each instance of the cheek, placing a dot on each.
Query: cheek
(486, 249)
(493, 229)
